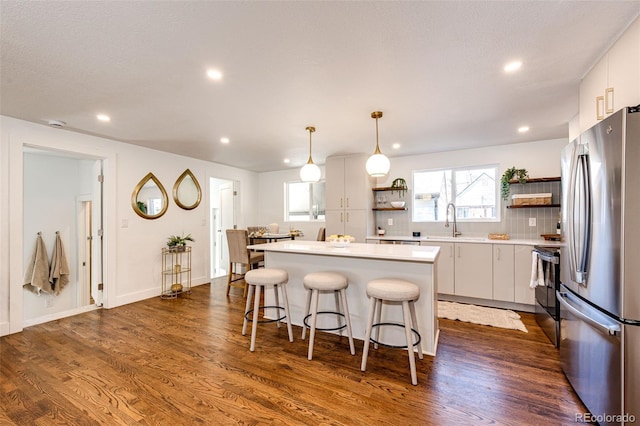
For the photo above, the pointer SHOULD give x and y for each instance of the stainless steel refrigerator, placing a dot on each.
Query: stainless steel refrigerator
(600, 270)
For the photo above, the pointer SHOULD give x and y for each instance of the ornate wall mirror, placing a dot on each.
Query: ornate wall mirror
(149, 198)
(186, 191)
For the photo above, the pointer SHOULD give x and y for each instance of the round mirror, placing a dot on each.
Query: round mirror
(186, 191)
(149, 198)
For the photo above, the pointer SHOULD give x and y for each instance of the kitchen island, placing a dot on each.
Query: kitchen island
(360, 263)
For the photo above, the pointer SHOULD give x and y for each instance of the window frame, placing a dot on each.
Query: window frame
(452, 182)
(320, 217)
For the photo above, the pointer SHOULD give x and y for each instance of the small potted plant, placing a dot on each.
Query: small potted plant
(400, 185)
(521, 175)
(178, 242)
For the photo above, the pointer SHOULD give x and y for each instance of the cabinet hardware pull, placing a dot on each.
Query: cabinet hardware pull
(451, 251)
(608, 100)
(458, 251)
(347, 202)
(599, 107)
(347, 216)
(341, 206)
(341, 218)
(498, 253)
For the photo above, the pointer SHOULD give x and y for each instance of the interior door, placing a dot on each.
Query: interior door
(226, 219)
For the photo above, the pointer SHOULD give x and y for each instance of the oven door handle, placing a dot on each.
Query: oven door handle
(611, 330)
(545, 256)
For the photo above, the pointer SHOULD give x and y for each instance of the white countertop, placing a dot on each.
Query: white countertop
(424, 254)
(466, 239)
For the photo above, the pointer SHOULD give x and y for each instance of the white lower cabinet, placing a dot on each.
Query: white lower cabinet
(523, 293)
(503, 272)
(445, 269)
(500, 272)
(474, 270)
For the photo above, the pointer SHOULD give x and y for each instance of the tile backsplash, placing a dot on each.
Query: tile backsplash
(514, 222)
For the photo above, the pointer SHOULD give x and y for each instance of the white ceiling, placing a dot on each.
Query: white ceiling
(433, 68)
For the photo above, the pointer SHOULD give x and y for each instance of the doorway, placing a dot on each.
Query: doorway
(223, 198)
(62, 196)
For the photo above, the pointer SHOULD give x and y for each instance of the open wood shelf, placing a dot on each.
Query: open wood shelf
(389, 208)
(538, 180)
(388, 188)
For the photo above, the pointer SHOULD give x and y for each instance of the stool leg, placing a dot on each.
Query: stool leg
(286, 311)
(246, 309)
(378, 316)
(345, 311)
(306, 312)
(336, 296)
(314, 317)
(275, 290)
(254, 326)
(407, 329)
(412, 306)
(367, 336)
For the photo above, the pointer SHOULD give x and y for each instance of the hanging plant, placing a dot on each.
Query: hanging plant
(400, 185)
(521, 175)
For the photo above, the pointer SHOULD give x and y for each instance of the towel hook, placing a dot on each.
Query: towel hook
(57, 232)
(40, 233)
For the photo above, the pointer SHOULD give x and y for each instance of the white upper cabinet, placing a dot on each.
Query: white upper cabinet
(614, 82)
(348, 197)
(348, 184)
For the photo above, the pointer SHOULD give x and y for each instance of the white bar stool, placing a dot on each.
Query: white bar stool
(316, 282)
(393, 290)
(257, 279)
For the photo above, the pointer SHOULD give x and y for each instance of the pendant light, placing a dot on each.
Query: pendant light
(378, 164)
(310, 172)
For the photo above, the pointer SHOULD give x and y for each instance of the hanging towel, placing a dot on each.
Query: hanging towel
(537, 275)
(36, 278)
(59, 273)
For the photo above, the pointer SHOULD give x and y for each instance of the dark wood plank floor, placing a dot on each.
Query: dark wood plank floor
(184, 362)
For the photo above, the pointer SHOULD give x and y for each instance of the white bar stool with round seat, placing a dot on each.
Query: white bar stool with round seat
(393, 290)
(316, 282)
(262, 278)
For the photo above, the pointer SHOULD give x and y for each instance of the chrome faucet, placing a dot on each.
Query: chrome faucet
(455, 232)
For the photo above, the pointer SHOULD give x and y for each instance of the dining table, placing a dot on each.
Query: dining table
(271, 237)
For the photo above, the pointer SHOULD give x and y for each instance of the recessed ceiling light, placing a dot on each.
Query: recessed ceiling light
(103, 117)
(395, 146)
(513, 66)
(224, 140)
(286, 161)
(523, 129)
(214, 74)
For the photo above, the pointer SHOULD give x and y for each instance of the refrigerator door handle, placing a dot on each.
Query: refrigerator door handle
(586, 243)
(563, 298)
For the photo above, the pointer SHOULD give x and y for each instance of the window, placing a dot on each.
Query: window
(304, 201)
(473, 190)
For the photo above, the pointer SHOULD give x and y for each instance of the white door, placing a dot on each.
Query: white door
(85, 259)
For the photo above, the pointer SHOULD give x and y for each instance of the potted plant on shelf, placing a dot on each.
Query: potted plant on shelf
(400, 185)
(178, 242)
(521, 175)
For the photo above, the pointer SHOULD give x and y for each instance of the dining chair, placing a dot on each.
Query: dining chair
(321, 234)
(239, 254)
(255, 229)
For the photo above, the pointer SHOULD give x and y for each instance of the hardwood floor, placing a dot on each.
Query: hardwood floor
(184, 361)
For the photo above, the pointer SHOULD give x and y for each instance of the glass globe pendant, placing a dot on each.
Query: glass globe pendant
(310, 172)
(378, 164)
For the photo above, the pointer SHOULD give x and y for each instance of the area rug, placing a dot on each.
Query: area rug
(502, 318)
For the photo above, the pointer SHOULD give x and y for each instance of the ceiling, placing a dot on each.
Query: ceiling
(434, 68)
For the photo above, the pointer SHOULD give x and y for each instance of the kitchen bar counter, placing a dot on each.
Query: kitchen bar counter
(360, 263)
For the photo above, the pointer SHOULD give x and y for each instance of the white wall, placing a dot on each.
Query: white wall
(132, 244)
(541, 159)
